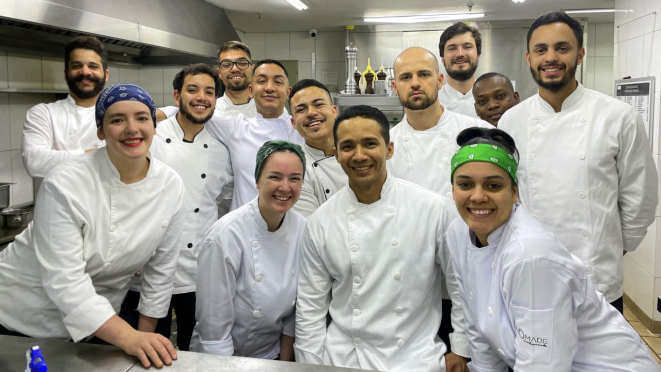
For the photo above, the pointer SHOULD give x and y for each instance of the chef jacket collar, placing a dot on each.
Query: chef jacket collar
(315, 152)
(441, 121)
(69, 100)
(494, 238)
(386, 190)
(453, 93)
(262, 227)
(285, 117)
(114, 173)
(569, 102)
(179, 131)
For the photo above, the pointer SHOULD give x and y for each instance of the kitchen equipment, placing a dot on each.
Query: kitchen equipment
(16, 218)
(350, 85)
(4, 194)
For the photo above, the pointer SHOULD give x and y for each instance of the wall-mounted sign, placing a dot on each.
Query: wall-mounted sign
(639, 93)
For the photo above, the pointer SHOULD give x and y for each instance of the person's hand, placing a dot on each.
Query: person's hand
(149, 348)
(455, 363)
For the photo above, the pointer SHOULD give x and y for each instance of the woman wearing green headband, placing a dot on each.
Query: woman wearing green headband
(248, 265)
(528, 303)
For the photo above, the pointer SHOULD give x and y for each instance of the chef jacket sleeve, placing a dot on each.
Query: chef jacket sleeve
(539, 298)
(58, 245)
(217, 273)
(221, 127)
(158, 272)
(289, 328)
(169, 111)
(38, 154)
(307, 203)
(314, 286)
(638, 182)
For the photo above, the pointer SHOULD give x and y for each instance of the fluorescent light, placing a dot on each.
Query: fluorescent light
(298, 4)
(421, 18)
(599, 10)
(518, 1)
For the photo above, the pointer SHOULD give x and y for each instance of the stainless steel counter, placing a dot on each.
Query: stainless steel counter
(68, 356)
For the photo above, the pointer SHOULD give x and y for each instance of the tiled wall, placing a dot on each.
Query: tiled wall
(34, 72)
(637, 40)
(599, 58)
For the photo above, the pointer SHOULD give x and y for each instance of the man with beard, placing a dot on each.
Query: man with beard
(425, 141)
(56, 131)
(586, 169)
(183, 143)
(460, 48)
(234, 62)
(313, 117)
(494, 95)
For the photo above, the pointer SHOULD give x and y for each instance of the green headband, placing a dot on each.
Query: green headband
(270, 147)
(486, 153)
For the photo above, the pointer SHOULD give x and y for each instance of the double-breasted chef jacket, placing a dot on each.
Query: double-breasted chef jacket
(69, 272)
(530, 305)
(246, 284)
(379, 280)
(587, 174)
(458, 102)
(323, 178)
(204, 166)
(55, 132)
(243, 137)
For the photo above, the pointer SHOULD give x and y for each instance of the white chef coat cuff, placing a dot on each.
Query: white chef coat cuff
(631, 242)
(88, 317)
(460, 344)
(307, 357)
(223, 347)
(474, 368)
(155, 307)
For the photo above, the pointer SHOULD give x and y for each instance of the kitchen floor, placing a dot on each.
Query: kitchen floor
(652, 340)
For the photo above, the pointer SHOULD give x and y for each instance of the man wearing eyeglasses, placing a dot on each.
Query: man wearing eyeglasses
(234, 69)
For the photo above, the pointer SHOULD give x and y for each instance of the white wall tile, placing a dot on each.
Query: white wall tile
(4, 71)
(113, 75)
(304, 70)
(645, 254)
(276, 45)
(168, 76)
(650, 21)
(22, 191)
(329, 46)
(255, 41)
(5, 123)
(621, 17)
(301, 46)
(338, 67)
(639, 286)
(635, 28)
(168, 99)
(52, 72)
(591, 37)
(19, 104)
(129, 75)
(588, 78)
(158, 99)
(634, 60)
(652, 48)
(603, 40)
(5, 166)
(603, 75)
(657, 293)
(24, 71)
(620, 60)
(151, 79)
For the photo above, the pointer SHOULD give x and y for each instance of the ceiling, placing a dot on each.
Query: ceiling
(328, 15)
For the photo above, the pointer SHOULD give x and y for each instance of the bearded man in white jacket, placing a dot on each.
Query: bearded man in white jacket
(378, 280)
(586, 169)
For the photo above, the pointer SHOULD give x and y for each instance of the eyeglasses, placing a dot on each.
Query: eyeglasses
(241, 64)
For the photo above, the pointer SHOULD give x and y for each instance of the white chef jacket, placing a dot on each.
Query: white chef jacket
(54, 132)
(243, 137)
(224, 107)
(423, 157)
(379, 281)
(529, 305)
(458, 102)
(69, 272)
(246, 284)
(204, 166)
(323, 178)
(588, 175)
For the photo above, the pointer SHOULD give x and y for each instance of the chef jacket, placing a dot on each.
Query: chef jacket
(246, 284)
(588, 175)
(379, 280)
(243, 137)
(323, 178)
(458, 102)
(54, 132)
(69, 272)
(423, 156)
(530, 305)
(224, 107)
(204, 166)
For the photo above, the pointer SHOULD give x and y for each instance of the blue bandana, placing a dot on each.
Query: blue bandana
(122, 92)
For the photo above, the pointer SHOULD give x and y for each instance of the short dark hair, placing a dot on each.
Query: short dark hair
(233, 45)
(459, 28)
(555, 17)
(306, 83)
(366, 112)
(490, 75)
(269, 61)
(195, 69)
(86, 42)
(491, 136)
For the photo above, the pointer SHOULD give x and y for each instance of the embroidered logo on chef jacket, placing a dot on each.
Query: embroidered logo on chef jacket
(534, 334)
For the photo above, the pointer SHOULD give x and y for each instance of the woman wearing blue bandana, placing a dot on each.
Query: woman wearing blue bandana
(529, 304)
(99, 218)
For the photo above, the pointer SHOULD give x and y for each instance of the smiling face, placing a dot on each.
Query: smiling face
(197, 100)
(234, 78)
(128, 129)
(460, 57)
(362, 151)
(85, 75)
(280, 182)
(417, 79)
(313, 114)
(493, 97)
(553, 56)
(270, 89)
(484, 194)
